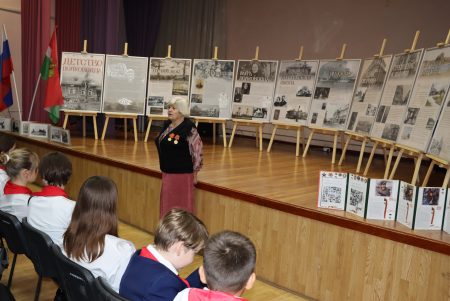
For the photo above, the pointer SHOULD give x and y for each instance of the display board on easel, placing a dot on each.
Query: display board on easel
(428, 96)
(168, 77)
(293, 92)
(396, 94)
(440, 142)
(333, 93)
(253, 89)
(82, 81)
(212, 88)
(367, 94)
(125, 84)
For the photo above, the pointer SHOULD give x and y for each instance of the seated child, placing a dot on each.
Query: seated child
(91, 239)
(7, 144)
(228, 269)
(152, 274)
(21, 166)
(50, 210)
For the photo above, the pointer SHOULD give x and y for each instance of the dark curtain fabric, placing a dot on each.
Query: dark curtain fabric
(102, 25)
(142, 19)
(35, 23)
(68, 20)
(193, 28)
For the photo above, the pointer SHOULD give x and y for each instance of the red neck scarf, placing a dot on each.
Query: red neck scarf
(11, 188)
(51, 191)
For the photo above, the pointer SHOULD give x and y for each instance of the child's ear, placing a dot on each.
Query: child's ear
(201, 272)
(178, 247)
(250, 281)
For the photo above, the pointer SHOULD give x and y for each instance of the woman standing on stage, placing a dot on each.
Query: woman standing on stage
(180, 157)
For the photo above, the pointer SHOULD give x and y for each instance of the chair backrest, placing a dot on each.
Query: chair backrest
(40, 250)
(11, 230)
(106, 292)
(5, 293)
(77, 282)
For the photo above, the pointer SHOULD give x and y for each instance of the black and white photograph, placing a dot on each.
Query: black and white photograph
(156, 110)
(430, 124)
(38, 130)
(82, 87)
(5, 124)
(242, 112)
(390, 132)
(180, 87)
(360, 94)
(295, 113)
(203, 110)
(408, 192)
(246, 88)
(401, 95)
(383, 188)
(260, 113)
(435, 147)
(257, 71)
(212, 86)
(324, 106)
(406, 132)
(411, 116)
(304, 92)
(371, 110)
(125, 84)
(59, 135)
(276, 114)
(280, 101)
(363, 126)
(196, 98)
(25, 128)
(352, 120)
(431, 196)
(405, 65)
(382, 114)
(336, 115)
(15, 126)
(437, 94)
(155, 101)
(321, 93)
(314, 118)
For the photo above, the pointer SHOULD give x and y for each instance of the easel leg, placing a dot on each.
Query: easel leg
(135, 130)
(369, 162)
(94, 122)
(361, 155)
(416, 169)
(84, 126)
(147, 132)
(303, 137)
(224, 134)
(429, 171)
(66, 119)
(297, 146)
(214, 133)
(388, 163)
(274, 130)
(260, 138)
(333, 157)
(232, 134)
(447, 178)
(305, 151)
(397, 161)
(344, 149)
(125, 128)
(105, 127)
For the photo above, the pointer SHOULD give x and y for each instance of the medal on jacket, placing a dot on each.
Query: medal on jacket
(173, 137)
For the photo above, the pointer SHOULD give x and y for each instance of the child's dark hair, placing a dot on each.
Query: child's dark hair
(229, 260)
(55, 168)
(180, 225)
(18, 159)
(6, 143)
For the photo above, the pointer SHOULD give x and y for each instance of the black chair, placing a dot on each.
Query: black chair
(11, 230)
(106, 292)
(5, 293)
(40, 253)
(77, 282)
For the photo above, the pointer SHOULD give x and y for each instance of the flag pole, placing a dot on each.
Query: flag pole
(19, 106)
(34, 96)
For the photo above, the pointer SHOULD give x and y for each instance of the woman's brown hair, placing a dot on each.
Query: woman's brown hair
(93, 218)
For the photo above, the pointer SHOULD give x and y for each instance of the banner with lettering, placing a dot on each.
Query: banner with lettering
(82, 81)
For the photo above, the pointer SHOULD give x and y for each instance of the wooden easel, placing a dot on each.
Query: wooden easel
(151, 117)
(125, 117)
(442, 164)
(326, 131)
(358, 137)
(68, 113)
(412, 152)
(214, 120)
(384, 144)
(256, 123)
(287, 126)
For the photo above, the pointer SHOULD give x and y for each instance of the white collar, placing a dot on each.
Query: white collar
(161, 259)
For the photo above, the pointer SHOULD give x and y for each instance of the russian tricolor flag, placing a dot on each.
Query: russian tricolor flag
(6, 68)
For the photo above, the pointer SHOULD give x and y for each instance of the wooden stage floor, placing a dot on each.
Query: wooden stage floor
(278, 179)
